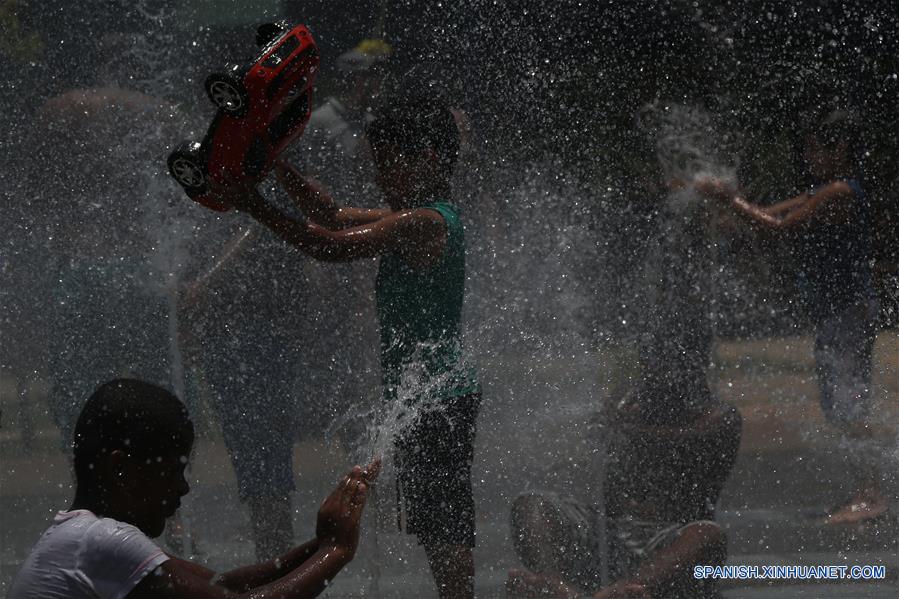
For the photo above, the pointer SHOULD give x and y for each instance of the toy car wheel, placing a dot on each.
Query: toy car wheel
(227, 93)
(187, 169)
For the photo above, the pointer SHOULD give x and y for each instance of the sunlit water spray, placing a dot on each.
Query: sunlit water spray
(689, 144)
(534, 271)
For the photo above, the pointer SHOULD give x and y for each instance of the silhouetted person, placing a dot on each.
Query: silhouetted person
(242, 319)
(132, 444)
(662, 484)
(419, 240)
(107, 296)
(835, 269)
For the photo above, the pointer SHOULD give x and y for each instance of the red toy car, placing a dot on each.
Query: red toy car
(263, 107)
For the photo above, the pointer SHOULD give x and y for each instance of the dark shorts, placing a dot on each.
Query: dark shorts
(433, 460)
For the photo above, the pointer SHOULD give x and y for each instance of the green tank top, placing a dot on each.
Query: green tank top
(419, 310)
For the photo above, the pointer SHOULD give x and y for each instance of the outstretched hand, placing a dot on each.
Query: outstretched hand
(340, 515)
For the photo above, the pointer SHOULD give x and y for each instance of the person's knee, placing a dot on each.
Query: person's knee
(528, 512)
(452, 567)
(533, 532)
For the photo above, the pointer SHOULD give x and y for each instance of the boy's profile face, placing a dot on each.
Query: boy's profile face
(152, 488)
(403, 173)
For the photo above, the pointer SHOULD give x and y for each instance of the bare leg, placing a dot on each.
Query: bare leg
(453, 570)
(844, 350)
(272, 525)
(672, 567)
(868, 501)
(536, 535)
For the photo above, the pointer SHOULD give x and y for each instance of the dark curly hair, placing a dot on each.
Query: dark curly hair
(134, 416)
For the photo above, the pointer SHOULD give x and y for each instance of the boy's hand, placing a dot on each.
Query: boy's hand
(288, 175)
(300, 187)
(341, 513)
(240, 195)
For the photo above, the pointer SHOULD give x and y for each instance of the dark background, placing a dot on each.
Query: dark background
(543, 81)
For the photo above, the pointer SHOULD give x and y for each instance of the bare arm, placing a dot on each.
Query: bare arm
(249, 577)
(418, 235)
(830, 201)
(318, 205)
(312, 565)
(179, 579)
(786, 205)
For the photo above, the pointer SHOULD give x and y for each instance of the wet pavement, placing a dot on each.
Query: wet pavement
(787, 471)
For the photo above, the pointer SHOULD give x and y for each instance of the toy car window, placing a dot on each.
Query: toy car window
(282, 52)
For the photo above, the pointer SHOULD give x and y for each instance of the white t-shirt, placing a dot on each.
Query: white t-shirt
(82, 556)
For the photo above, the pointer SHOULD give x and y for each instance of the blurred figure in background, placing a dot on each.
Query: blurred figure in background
(661, 487)
(673, 442)
(832, 224)
(108, 292)
(333, 147)
(243, 329)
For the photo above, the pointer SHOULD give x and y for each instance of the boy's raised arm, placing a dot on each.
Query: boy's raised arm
(318, 205)
(420, 235)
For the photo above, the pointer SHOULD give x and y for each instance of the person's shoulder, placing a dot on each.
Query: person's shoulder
(76, 521)
(855, 186)
(102, 535)
(442, 215)
(117, 555)
(111, 527)
(61, 545)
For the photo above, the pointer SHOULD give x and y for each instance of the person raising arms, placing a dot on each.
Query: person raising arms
(832, 226)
